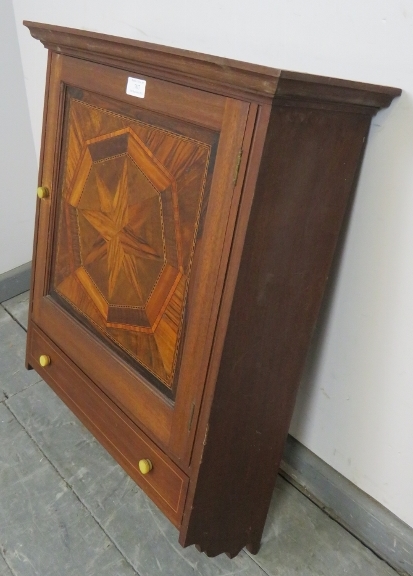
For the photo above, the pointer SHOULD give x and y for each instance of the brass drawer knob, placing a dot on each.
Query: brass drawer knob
(42, 192)
(44, 360)
(145, 466)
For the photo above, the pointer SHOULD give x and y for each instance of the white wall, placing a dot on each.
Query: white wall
(355, 405)
(18, 167)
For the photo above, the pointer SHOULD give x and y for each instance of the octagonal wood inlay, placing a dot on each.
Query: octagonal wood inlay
(129, 214)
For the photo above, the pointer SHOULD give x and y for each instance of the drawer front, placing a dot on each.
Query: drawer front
(165, 484)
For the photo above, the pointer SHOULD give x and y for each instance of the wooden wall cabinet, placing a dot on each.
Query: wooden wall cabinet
(190, 208)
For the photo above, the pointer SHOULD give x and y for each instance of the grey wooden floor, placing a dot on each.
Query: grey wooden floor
(67, 509)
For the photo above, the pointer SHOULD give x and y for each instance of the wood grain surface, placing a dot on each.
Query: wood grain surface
(129, 214)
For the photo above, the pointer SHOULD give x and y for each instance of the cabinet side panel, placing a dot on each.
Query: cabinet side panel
(309, 167)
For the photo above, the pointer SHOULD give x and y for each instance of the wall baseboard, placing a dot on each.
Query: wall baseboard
(14, 282)
(370, 522)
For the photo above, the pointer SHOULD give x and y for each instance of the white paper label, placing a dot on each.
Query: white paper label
(136, 87)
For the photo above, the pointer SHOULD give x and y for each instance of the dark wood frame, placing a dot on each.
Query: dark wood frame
(303, 145)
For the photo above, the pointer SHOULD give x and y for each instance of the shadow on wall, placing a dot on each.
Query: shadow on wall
(361, 310)
(316, 354)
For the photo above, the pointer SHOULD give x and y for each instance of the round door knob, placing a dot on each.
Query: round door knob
(42, 192)
(145, 466)
(44, 360)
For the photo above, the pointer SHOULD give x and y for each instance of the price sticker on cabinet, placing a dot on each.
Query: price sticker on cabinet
(136, 87)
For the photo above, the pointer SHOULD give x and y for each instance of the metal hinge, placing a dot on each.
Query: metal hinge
(237, 166)
(206, 435)
(191, 416)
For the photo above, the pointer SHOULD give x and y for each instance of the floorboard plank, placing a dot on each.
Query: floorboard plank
(18, 307)
(13, 375)
(44, 529)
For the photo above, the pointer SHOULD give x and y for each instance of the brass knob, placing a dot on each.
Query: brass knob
(44, 360)
(145, 466)
(42, 192)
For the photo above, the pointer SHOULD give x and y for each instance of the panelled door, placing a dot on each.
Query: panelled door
(131, 239)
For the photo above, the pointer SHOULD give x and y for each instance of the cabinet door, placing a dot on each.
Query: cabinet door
(133, 239)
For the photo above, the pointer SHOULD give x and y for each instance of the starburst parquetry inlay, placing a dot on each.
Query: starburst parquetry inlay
(130, 209)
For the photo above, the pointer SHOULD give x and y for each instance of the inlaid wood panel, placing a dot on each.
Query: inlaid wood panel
(130, 208)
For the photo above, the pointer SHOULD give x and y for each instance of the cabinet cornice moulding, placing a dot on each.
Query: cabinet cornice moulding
(229, 77)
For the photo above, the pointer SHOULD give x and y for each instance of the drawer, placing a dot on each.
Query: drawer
(165, 484)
